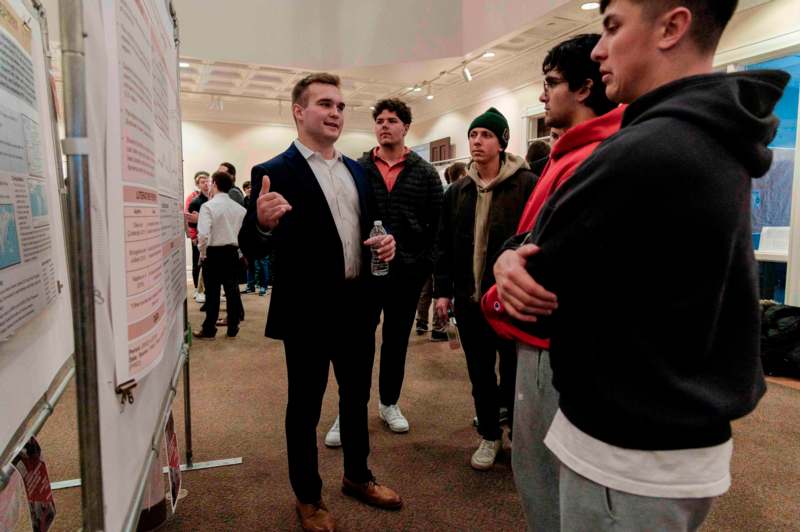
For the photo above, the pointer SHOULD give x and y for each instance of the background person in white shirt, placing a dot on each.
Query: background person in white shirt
(217, 238)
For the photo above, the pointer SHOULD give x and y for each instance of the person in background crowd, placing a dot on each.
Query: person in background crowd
(480, 213)
(246, 191)
(453, 173)
(257, 269)
(537, 156)
(408, 194)
(198, 198)
(217, 234)
(575, 102)
(646, 398)
(314, 210)
(236, 193)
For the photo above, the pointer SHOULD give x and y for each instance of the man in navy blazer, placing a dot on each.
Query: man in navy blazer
(314, 210)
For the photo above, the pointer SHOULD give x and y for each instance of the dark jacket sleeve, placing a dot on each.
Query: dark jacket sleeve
(443, 269)
(255, 243)
(435, 199)
(236, 195)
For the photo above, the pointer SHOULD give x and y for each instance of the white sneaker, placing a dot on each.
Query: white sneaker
(200, 298)
(483, 459)
(334, 438)
(393, 417)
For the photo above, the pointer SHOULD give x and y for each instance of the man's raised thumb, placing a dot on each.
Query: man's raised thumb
(264, 185)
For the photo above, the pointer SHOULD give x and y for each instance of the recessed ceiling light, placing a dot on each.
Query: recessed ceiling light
(184, 64)
(409, 88)
(429, 95)
(417, 88)
(590, 6)
(371, 107)
(466, 73)
(488, 54)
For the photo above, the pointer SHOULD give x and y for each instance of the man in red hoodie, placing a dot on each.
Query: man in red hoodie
(575, 101)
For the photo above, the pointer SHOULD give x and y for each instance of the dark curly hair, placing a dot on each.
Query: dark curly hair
(396, 106)
(573, 59)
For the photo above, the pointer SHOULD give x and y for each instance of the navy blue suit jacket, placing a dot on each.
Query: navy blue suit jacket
(308, 260)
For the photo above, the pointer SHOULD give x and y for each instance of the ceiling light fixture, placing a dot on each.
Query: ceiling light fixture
(429, 95)
(371, 107)
(466, 73)
(590, 6)
(417, 88)
(488, 54)
(184, 64)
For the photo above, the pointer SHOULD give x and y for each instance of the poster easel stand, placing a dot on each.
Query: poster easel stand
(76, 148)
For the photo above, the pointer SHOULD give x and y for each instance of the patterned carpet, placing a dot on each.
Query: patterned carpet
(238, 401)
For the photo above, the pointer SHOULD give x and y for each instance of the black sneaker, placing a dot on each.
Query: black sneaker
(438, 336)
(503, 418)
(422, 328)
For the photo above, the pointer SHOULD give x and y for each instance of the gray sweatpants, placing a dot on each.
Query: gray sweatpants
(586, 505)
(535, 467)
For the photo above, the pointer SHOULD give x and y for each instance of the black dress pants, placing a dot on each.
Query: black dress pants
(221, 270)
(399, 295)
(481, 346)
(343, 339)
(195, 264)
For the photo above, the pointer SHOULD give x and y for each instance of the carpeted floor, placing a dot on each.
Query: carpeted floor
(238, 401)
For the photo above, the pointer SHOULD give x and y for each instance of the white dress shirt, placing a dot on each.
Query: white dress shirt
(340, 192)
(219, 222)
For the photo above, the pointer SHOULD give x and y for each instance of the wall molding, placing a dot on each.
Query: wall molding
(757, 50)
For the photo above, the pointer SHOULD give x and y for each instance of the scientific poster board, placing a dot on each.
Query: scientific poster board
(133, 126)
(35, 311)
(147, 242)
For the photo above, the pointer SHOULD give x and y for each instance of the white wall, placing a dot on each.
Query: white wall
(206, 144)
(454, 124)
(753, 31)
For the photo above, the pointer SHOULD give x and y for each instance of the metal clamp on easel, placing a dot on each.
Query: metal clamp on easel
(75, 146)
(126, 391)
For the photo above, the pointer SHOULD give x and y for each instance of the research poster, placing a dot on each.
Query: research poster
(145, 186)
(27, 267)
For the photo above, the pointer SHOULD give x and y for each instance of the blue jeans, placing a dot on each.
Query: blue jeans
(258, 274)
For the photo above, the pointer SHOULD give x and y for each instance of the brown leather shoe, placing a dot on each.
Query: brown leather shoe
(373, 494)
(315, 517)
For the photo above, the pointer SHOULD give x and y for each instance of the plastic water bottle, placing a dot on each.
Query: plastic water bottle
(453, 338)
(379, 267)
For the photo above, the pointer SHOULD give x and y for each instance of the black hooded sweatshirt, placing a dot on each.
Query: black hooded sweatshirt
(655, 344)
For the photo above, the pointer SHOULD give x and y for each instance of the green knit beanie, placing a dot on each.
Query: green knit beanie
(494, 121)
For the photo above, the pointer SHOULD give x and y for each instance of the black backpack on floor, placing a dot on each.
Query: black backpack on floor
(780, 340)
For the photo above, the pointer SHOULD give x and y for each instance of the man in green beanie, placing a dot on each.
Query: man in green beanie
(479, 214)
